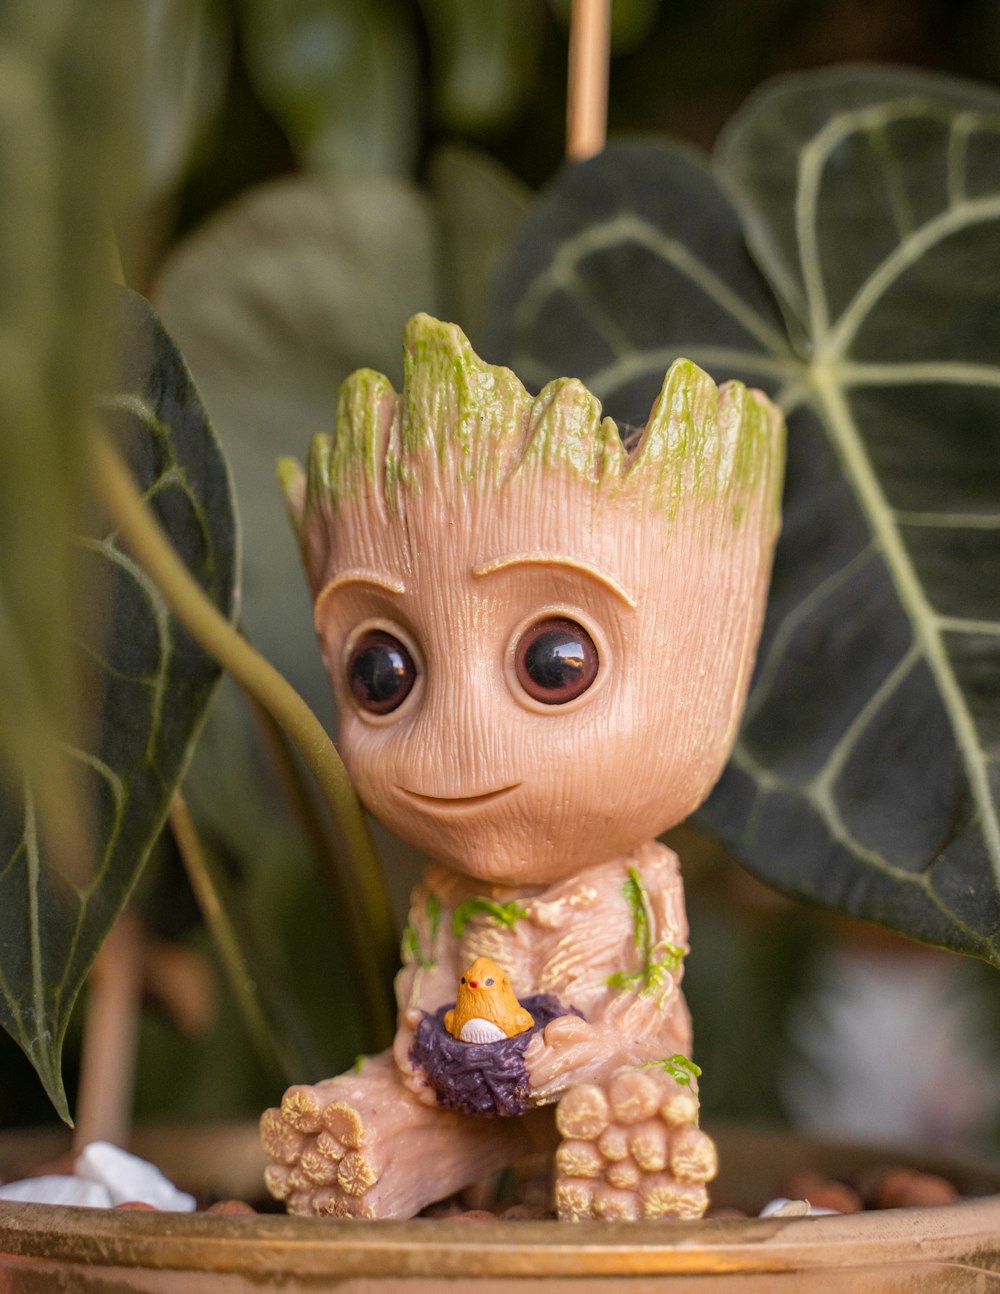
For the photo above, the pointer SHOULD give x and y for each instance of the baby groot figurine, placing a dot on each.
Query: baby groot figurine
(540, 637)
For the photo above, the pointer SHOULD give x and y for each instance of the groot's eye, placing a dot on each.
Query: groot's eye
(380, 672)
(556, 661)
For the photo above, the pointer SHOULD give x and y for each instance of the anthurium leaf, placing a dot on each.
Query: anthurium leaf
(181, 85)
(62, 80)
(479, 206)
(147, 685)
(623, 263)
(483, 58)
(341, 78)
(273, 303)
(866, 773)
(890, 782)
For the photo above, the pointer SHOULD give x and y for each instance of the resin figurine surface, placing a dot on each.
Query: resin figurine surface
(539, 637)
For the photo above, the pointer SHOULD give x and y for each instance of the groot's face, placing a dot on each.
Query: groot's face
(536, 682)
(539, 640)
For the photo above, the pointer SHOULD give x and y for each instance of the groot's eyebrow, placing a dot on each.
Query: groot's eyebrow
(557, 559)
(346, 578)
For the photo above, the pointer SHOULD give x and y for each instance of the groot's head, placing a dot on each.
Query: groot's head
(539, 637)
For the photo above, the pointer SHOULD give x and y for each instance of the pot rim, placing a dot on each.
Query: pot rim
(275, 1246)
(967, 1233)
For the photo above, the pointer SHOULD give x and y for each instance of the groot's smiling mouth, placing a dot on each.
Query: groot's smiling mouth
(457, 802)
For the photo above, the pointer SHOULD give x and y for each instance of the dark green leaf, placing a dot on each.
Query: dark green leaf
(147, 685)
(341, 78)
(483, 57)
(184, 67)
(479, 206)
(625, 262)
(273, 304)
(866, 775)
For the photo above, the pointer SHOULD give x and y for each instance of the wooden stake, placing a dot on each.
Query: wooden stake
(110, 1038)
(587, 95)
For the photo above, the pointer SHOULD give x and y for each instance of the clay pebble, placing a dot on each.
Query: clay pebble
(901, 1188)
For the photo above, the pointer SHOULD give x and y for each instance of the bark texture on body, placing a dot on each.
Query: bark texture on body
(539, 639)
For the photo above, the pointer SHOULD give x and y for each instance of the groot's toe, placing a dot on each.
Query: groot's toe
(632, 1149)
(318, 1164)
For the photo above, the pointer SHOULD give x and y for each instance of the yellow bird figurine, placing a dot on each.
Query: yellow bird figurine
(487, 1009)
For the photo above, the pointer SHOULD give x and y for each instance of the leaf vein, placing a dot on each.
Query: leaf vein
(626, 227)
(859, 469)
(771, 663)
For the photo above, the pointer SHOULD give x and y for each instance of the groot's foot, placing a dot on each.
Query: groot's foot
(364, 1146)
(324, 1155)
(632, 1149)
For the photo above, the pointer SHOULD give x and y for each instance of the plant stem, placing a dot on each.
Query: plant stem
(222, 641)
(313, 824)
(216, 916)
(587, 92)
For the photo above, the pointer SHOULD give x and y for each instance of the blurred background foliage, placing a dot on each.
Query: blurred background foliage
(308, 173)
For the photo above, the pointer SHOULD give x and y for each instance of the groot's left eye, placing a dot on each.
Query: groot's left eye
(556, 661)
(380, 672)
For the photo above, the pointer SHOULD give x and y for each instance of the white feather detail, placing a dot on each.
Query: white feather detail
(479, 1030)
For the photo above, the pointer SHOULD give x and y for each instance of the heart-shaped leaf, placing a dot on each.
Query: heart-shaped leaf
(483, 57)
(866, 774)
(273, 304)
(479, 206)
(181, 85)
(342, 78)
(147, 687)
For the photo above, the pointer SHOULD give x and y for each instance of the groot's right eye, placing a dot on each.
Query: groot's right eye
(556, 661)
(380, 672)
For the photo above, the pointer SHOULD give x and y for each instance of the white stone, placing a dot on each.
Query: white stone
(784, 1208)
(126, 1177)
(54, 1189)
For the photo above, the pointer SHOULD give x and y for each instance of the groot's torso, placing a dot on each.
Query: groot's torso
(607, 943)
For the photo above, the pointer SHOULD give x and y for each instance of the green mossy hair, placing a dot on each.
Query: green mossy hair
(474, 424)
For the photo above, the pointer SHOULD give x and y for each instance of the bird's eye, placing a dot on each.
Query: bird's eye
(556, 661)
(380, 672)
(463, 979)
(489, 983)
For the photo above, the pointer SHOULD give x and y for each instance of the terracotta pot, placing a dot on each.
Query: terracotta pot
(947, 1250)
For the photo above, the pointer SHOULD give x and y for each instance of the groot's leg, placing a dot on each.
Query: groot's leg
(362, 1146)
(632, 1149)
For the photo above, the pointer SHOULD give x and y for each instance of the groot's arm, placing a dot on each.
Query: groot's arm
(618, 959)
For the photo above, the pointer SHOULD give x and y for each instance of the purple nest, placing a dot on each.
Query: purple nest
(481, 1078)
